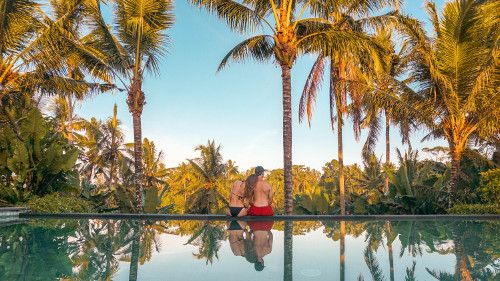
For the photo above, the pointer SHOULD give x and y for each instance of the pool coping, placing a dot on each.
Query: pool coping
(254, 218)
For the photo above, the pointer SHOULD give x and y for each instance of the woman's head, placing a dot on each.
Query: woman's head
(250, 184)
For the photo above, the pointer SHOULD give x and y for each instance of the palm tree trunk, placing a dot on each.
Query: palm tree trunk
(387, 150)
(70, 120)
(70, 110)
(341, 168)
(288, 249)
(455, 170)
(462, 267)
(342, 250)
(134, 259)
(136, 101)
(287, 138)
(391, 257)
(111, 172)
(138, 162)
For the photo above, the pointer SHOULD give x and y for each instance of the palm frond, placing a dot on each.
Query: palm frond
(313, 86)
(238, 16)
(258, 47)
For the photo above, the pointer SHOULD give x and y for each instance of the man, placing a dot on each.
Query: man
(262, 239)
(262, 196)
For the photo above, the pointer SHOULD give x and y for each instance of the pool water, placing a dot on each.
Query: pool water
(48, 249)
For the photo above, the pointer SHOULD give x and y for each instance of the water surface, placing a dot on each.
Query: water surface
(48, 249)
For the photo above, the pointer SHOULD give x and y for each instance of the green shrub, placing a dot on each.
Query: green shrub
(474, 209)
(490, 187)
(57, 203)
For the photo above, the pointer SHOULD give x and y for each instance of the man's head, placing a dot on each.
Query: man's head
(259, 171)
(259, 265)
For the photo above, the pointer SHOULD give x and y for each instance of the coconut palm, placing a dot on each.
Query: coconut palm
(79, 61)
(457, 74)
(103, 144)
(35, 50)
(208, 239)
(393, 66)
(288, 251)
(135, 50)
(346, 66)
(210, 170)
(180, 180)
(289, 36)
(153, 167)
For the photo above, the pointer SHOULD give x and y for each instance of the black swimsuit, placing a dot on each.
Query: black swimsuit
(235, 211)
(235, 225)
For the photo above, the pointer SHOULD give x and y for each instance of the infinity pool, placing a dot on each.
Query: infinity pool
(49, 249)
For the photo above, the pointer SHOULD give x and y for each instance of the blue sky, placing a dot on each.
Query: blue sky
(240, 107)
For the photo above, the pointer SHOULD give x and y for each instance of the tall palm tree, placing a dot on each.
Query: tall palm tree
(342, 251)
(136, 49)
(393, 66)
(457, 73)
(346, 65)
(289, 36)
(288, 251)
(103, 144)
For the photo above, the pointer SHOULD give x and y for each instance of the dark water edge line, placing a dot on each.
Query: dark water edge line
(253, 218)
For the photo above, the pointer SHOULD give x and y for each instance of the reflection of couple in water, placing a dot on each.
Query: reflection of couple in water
(253, 245)
(255, 193)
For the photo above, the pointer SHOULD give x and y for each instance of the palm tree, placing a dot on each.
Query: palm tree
(103, 144)
(288, 251)
(139, 44)
(208, 238)
(289, 36)
(180, 180)
(78, 60)
(210, 170)
(457, 72)
(394, 65)
(35, 50)
(346, 66)
(153, 167)
(342, 251)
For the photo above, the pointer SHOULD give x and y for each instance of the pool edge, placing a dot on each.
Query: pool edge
(253, 218)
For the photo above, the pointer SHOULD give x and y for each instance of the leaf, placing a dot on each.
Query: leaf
(33, 126)
(70, 159)
(359, 206)
(19, 161)
(403, 176)
(63, 162)
(165, 188)
(123, 199)
(151, 200)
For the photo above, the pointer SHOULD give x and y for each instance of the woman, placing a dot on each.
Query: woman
(237, 233)
(237, 205)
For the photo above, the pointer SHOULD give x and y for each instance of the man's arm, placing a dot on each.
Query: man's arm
(270, 240)
(270, 194)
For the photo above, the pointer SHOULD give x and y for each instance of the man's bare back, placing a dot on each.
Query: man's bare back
(263, 194)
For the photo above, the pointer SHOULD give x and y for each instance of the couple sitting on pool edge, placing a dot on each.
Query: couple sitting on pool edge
(253, 192)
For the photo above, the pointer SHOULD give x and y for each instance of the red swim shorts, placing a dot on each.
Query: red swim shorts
(260, 211)
(260, 225)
